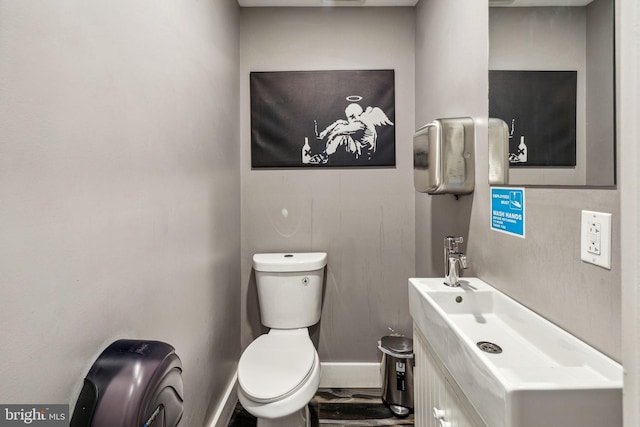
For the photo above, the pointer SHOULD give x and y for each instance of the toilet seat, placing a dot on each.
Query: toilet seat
(276, 365)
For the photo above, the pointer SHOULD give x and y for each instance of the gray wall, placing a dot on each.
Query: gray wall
(543, 271)
(363, 218)
(451, 81)
(119, 190)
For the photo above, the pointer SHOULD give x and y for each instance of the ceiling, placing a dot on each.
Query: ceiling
(324, 3)
(538, 3)
(331, 3)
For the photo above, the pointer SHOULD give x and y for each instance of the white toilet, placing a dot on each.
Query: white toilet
(279, 373)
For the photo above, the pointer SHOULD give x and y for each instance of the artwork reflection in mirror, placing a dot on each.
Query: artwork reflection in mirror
(539, 108)
(552, 73)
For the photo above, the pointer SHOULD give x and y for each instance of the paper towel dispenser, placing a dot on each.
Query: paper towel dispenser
(443, 157)
(133, 383)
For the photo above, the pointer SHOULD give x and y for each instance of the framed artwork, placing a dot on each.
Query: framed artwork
(322, 119)
(539, 108)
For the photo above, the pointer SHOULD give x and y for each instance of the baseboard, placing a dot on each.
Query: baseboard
(350, 375)
(225, 410)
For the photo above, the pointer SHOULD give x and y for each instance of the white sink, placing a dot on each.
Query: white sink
(544, 376)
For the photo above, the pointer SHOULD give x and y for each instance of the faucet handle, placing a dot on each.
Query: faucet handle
(451, 242)
(464, 263)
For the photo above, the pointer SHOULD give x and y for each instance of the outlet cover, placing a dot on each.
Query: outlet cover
(595, 238)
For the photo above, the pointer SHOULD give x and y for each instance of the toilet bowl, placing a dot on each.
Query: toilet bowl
(279, 372)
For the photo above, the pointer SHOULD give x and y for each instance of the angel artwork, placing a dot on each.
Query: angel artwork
(357, 135)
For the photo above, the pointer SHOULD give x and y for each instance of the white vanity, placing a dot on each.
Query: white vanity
(484, 360)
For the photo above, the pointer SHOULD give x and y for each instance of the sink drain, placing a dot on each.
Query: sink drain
(489, 347)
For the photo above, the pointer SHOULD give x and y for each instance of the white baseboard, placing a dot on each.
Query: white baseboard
(350, 375)
(227, 405)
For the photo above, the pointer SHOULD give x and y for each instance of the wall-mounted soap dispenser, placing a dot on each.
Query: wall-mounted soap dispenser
(443, 157)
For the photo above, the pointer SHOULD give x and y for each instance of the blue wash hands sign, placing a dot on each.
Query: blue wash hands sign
(508, 210)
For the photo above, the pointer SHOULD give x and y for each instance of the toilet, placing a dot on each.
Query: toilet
(279, 372)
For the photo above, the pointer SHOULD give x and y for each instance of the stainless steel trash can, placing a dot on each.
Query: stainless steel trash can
(396, 369)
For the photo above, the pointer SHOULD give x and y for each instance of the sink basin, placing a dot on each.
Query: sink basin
(526, 371)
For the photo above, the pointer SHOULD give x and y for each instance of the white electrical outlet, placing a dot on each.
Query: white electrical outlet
(594, 233)
(595, 239)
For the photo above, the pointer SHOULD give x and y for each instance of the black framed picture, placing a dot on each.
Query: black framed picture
(341, 118)
(539, 108)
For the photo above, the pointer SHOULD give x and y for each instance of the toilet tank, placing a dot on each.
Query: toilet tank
(290, 288)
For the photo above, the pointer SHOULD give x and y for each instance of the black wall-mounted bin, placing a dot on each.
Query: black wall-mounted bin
(133, 383)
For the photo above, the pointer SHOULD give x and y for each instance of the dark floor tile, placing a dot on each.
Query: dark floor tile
(241, 418)
(359, 411)
(339, 408)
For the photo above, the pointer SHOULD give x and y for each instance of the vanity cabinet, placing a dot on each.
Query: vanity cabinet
(439, 402)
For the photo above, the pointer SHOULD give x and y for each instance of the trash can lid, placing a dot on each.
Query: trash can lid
(396, 344)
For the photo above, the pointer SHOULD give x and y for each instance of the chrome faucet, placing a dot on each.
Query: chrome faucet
(453, 260)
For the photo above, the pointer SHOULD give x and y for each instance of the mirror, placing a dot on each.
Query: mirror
(552, 81)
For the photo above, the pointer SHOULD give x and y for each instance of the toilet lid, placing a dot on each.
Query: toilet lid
(274, 366)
